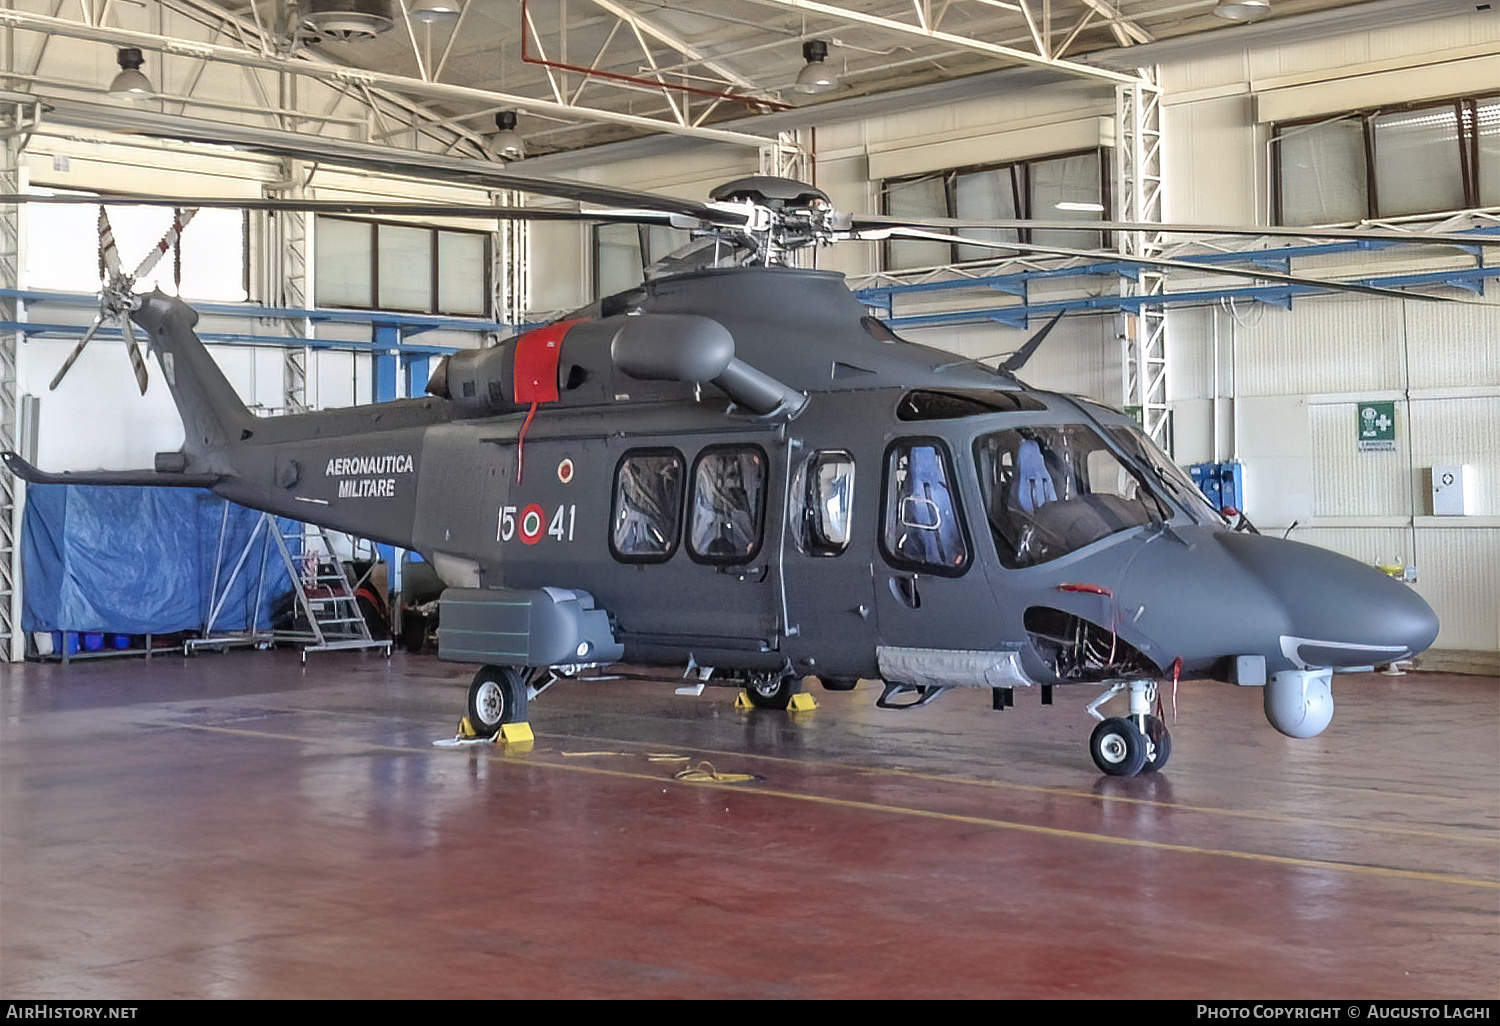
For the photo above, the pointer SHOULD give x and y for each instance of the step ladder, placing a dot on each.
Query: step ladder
(324, 597)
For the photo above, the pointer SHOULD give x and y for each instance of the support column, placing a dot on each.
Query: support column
(788, 157)
(287, 279)
(511, 295)
(1138, 186)
(12, 489)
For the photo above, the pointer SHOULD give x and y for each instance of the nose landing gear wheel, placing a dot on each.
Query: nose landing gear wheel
(1161, 744)
(497, 695)
(1118, 747)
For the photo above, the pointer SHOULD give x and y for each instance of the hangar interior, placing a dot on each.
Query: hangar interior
(1280, 114)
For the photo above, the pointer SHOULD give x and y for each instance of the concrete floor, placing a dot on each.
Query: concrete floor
(242, 826)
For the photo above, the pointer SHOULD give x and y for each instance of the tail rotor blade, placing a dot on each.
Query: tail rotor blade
(73, 356)
(109, 256)
(180, 220)
(137, 362)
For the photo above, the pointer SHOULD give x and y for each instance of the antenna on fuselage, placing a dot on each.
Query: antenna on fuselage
(1018, 359)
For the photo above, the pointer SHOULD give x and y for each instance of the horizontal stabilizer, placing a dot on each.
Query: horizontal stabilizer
(26, 472)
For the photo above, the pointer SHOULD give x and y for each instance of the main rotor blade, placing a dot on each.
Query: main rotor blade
(626, 215)
(73, 356)
(167, 241)
(137, 363)
(861, 222)
(322, 150)
(1178, 265)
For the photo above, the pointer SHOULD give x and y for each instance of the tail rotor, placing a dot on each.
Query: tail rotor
(118, 300)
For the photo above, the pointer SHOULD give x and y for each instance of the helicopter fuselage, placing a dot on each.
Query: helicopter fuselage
(916, 516)
(740, 470)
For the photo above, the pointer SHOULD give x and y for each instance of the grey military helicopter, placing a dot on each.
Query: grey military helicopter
(734, 469)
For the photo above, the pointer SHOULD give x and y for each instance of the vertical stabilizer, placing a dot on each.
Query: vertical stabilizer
(213, 417)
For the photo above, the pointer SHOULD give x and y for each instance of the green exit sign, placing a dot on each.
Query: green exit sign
(1376, 427)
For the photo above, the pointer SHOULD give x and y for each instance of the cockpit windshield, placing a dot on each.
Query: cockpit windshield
(1051, 490)
(1139, 445)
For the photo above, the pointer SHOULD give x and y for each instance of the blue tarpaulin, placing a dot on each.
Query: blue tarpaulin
(130, 560)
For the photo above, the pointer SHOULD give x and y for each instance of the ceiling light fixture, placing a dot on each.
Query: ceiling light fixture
(507, 143)
(130, 83)
(433, 12)
(816, 77)
(348, 20)
(1243, 10)
(1092, 208)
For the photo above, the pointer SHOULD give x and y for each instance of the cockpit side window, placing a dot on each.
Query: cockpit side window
(1049, 491)
(729, 488)
(922, 529)
(647, 515)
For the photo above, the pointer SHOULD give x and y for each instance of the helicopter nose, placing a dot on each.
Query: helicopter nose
(1339, 612)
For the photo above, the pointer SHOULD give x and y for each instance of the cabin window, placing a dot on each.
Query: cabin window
(729, 491)
(950, 404)
(826, 489)
(923, 529)
(647, 515)
(1049, 491)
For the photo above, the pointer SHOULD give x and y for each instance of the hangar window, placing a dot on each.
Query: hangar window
(1388, 162)
(62, 250)
(1070, 187)
(922, 529)
(369, 265)
(622, 252)
(647, 514)
(729, 502)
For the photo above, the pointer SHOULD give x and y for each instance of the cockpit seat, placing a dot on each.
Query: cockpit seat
(1033, 485)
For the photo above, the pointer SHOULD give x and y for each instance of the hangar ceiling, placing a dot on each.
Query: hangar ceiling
(585, 72)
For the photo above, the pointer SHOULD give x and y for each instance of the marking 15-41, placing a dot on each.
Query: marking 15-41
(529, 520)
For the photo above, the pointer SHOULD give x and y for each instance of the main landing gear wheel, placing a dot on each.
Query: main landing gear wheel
(1161, 744)
(1118, 747)
(497, 695)
(771, 690)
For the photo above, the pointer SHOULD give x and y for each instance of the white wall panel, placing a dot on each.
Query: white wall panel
(1459, 575)
(96, 420)
(1350, 483)
(238, 365)
(270, 378)
(332, 375)
(1372, 545)
(1323, 345)
(1212, 164)
(1453, 345)
(1458, 431)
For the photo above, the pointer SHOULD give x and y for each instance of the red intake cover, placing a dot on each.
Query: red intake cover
(537, 353)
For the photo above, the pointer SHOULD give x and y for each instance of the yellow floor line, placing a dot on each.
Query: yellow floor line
(1002, 785)
(949, 817)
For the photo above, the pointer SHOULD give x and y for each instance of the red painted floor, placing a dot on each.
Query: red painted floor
(242, 826)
